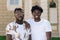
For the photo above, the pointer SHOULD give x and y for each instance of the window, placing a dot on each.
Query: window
(11, 2)
(14, 2)
(17, 2)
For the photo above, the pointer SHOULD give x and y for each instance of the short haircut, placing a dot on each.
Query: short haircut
(36, 7)
(18, 9)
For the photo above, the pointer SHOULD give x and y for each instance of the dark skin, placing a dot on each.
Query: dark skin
(48, 34)
(8, 37)
(19, 19)
(28, 27)
(36, 14)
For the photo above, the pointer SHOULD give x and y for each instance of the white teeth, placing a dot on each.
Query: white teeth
(36, 16)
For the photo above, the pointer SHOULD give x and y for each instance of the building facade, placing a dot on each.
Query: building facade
(50, 13)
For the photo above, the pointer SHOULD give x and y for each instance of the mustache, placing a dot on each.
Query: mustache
(22, 17)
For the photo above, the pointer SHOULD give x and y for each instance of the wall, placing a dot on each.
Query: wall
(59, 16)
(8, 16)
(5, 16)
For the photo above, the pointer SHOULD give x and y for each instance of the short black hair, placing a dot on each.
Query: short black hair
(36, 7)
(18, 9)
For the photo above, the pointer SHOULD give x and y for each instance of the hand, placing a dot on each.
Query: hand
(27, 25)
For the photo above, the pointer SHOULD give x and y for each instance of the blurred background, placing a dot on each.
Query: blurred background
(51, 12)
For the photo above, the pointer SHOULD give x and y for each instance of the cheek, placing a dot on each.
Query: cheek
(16, 16)
(36, 14)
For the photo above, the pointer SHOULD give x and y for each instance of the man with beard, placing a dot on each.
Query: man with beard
(18, 29)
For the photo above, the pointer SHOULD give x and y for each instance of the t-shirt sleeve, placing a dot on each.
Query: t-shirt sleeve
(48, 27)
(8, 29)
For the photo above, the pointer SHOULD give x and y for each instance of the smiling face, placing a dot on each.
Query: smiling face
(36, 14)
(19, 15)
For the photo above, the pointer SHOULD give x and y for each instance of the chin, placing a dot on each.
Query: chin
(36, 18)
(20, 19)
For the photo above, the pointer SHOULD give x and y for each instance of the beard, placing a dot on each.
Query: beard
(19, 20)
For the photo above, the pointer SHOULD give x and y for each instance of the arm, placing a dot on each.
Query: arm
(48, 35)
(48, 30)
(29, 37)
(27, 25)
(8, 37)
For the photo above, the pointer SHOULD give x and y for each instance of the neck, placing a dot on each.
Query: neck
(19, 22)
(37, 20)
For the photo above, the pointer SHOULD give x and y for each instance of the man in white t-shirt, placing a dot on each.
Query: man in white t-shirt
(18, 29)
(40, 28)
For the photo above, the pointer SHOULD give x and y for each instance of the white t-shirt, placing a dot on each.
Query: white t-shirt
(39, 29)
(17, 31)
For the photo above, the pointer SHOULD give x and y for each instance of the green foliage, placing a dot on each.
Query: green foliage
(53, 38)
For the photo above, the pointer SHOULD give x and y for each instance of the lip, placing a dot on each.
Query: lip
(36, 16)
(20, 17)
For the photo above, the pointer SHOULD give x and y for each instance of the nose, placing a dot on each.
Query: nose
(20, 15)
(36, 13)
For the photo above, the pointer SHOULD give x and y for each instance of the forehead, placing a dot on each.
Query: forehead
(18, 11)
(15, 11)
(36, 11)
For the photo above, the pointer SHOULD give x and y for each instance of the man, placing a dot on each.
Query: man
(18, 30)
(40, 28)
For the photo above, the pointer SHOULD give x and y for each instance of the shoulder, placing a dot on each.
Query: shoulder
(10, 25)
(45, 21)
(47, 25)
